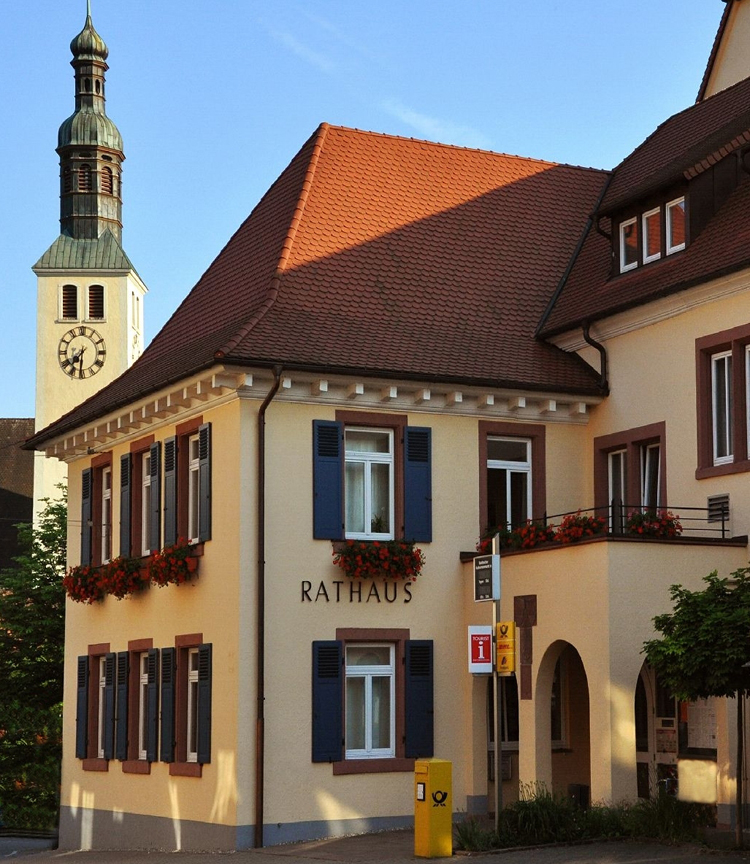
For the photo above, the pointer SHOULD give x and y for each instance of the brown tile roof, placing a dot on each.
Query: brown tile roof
(385, 256)
(721, 248)
(680, 144)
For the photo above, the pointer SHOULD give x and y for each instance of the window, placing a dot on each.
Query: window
(651, 222)
(512, 473)
(187, 483)
(372, 478)
(105, 521)
(84, 178)
(96, 511)
(368, 484)
(106, 175)
(95, 303)
(723, 400)
(628, 244)
(67, 181)
(69, 302)
(676, 225)
(186, 675)
(95, 707)
(140, 500)
(143, 682)
(629, 472)
(372, 701)
(137, 706)
(508, 481)
(721, 406)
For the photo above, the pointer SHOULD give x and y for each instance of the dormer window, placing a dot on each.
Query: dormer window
(651, 222)
(675, 225)
(628, 244)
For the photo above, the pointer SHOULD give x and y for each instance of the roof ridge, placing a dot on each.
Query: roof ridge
(286, 247)
(445, 146)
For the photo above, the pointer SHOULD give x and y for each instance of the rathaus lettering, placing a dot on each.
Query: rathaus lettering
(356, 592)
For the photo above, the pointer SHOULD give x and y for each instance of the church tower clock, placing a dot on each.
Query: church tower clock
(89, 296)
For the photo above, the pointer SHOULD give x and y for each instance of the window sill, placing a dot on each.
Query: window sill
(739, 467)
(373, 766)
(185, 769)
(136, 766)
(95, 765)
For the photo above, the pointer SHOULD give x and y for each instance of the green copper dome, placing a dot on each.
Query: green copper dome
(88, 44)
(89, 128)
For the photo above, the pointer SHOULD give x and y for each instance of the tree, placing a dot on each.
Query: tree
(705, 649)
(32, 629)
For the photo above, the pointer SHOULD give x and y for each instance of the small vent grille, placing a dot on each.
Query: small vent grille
(718, 508)
(420, 660)
(328, 441)
(418, 446)
(329, 661)
(96, 302)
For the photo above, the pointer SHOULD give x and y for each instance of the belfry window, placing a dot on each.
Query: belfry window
(84, 178)
(95, 311)
(69, 303)
(106, 180)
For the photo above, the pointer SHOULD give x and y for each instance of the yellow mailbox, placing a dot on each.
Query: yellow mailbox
(505, 644)
(433, 808)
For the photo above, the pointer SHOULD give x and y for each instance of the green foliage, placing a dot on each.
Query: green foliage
(705, 642)
(32, 628)
(541, 817)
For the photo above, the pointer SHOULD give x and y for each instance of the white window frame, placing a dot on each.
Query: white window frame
(89, 316)
(101, 708)
(722, 435)
(368, 673)
(623, 225)
(645, 234)
(106, 515)
(191, 743)
(146, 503)
(61, 304)
(649, 452)
(513, 468)
(369, 459)
(670, 205)
(194, 517)
(142, 704)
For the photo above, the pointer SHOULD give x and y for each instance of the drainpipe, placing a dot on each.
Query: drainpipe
(261, 616)
(603, 383)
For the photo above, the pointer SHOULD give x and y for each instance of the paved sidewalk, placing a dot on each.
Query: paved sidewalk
(393, 846)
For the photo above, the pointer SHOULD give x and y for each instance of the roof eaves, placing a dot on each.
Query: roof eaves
(574, 257)
(286, 247)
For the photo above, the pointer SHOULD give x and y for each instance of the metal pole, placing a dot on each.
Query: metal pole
(497, 695)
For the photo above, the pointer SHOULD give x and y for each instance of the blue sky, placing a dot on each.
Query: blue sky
(214, 97)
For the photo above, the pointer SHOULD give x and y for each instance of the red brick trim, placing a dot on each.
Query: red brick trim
(140, 645)
(185, 769)
(136, 766)
(98, 649)
(92, 764)
(188, 640)
(101, 460)
(189, 426)
(141, 444)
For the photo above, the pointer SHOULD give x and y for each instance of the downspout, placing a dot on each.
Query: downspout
(261, 616)
(603, 383)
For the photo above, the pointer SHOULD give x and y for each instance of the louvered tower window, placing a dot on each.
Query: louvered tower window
(84, 178)
(107, 182)
(96, 303)
(69, 302)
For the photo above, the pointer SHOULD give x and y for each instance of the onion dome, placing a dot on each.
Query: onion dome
(88, 44)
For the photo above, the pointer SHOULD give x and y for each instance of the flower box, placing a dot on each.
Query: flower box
(389, 559)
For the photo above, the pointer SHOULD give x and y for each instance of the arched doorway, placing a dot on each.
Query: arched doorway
(562, 694)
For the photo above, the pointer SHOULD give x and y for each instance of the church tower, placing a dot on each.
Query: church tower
(89, 296)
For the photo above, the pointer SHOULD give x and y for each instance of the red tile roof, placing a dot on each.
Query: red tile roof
(378, 255)
(679, 144)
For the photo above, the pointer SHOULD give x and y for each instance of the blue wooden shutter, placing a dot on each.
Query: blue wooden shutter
(110, 689)
(82, 707)
(328, 480)
(204, 704)
(152, 705)
(418, 699)
(327, 701)
(204, 482)
(170, 491)
(154, 516)
(87, 482)
(121, 723)
(167, 704)
(125, 498)
(418, 484)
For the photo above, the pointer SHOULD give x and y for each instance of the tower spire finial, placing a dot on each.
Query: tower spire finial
(88, 8)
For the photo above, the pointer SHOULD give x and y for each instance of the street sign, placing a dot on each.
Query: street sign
(505, 644)
(487, 577)
(480, 650)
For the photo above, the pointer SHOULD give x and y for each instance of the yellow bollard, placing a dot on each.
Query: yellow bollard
(433, 808)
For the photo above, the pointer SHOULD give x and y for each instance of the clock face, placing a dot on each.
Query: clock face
(81, 352)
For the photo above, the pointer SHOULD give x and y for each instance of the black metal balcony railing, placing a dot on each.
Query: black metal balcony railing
(623, 519)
